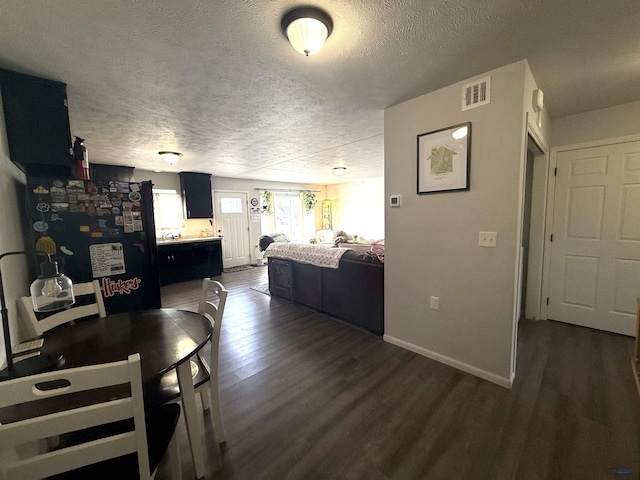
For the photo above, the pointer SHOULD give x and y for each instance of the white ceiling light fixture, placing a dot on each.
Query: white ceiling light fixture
(170, 157)
(339, 171)
(307, 28)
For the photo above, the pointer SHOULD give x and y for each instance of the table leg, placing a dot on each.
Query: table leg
(194, 432)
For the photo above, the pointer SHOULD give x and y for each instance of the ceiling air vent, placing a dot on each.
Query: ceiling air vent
(476, 93)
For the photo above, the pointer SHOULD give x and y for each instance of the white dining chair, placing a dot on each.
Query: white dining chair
(105, 439)
(204, 371)
(209, 389)
(94, 306)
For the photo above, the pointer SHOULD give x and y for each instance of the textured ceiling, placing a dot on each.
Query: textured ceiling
(218, 81)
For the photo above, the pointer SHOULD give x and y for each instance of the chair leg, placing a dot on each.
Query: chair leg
(173, 453)
(194, 427)
(216, 413)
(206, 401)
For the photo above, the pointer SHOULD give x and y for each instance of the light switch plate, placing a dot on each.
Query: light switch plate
(434, 303)
(488, 239)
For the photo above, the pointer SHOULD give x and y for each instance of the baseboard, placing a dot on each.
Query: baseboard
(465, 367)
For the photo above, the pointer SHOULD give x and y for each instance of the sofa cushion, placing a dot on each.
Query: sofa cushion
(266, 240)
(364, 257)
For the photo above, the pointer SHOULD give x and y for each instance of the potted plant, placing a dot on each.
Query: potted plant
(267, 203)
(308, 201)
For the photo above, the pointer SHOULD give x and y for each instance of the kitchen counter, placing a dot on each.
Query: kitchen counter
(170, 241)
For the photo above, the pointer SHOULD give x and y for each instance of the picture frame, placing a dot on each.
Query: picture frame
(444, 159)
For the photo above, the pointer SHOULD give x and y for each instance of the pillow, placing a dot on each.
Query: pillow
(326, 236)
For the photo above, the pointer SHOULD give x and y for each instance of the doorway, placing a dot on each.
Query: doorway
(232, 223)
(532, 238)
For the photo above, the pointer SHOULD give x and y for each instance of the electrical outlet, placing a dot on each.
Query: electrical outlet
(488, 239)
(434, 303)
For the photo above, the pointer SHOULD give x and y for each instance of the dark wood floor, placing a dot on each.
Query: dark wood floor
(304, 396)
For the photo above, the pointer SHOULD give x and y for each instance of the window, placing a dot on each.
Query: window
(288, 213)
(167, 209)
(230, 205)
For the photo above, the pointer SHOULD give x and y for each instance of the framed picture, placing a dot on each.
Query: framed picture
(444, 159)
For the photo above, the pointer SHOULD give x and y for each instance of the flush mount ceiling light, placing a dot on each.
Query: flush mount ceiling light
(170, 157)
(307, 28)
(339, 170)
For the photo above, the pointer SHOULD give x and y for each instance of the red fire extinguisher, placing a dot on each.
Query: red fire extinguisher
(82, 159)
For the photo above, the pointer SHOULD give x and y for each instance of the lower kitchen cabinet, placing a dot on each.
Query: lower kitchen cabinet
(207, 259)
(184, 261)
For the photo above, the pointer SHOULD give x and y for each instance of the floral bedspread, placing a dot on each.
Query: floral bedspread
(317, 255)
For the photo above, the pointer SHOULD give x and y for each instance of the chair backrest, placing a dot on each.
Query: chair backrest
(96, 307)
(32, 463)
(213, 288)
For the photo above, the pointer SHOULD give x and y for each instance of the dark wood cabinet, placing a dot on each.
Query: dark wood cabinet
(207, 259)
(37, 120)
(116, 173)
(181, 262)
(196, 195)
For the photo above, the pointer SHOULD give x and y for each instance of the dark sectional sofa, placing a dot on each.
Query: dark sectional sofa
(353, 293)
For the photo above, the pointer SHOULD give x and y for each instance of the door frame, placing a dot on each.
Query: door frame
(551, 190)
(536, 136)
(540, 183)
(217, 214)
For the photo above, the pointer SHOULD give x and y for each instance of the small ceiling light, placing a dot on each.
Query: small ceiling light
(460, 133)
(307, 28)
(339, 170)
(170, 157)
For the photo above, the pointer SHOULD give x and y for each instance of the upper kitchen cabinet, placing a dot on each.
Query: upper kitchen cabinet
(37, 120)
(196, 195)
(117, 173)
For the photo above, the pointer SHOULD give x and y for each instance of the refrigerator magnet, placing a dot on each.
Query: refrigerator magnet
(47, 245)
(60, 207)
(40, 226)
(77, 208)
(92, 188)
(75, 186)
(123, 187)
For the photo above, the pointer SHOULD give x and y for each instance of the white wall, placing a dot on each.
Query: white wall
(358, 207)
(166, 180)
(14, 268)
(618, 121)
(432, 240)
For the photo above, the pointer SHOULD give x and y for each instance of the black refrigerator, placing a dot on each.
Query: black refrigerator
(101, 230)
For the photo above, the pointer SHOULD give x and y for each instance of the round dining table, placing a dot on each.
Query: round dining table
(165, 339)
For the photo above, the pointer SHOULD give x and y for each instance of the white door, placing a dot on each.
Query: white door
(595, 251)
(232, 221)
